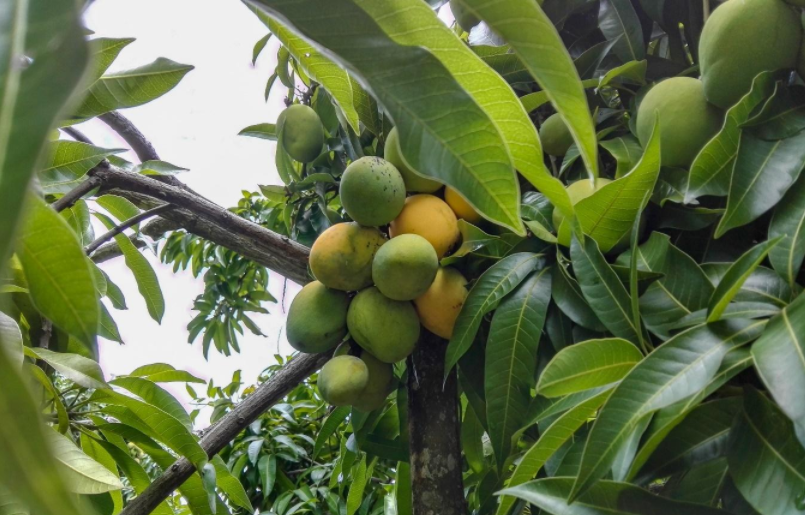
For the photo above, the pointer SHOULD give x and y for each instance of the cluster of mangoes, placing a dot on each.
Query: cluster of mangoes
(378, 278)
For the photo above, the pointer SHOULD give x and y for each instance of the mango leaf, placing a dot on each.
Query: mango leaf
(59, 277)
(510, 365)
(334, 420)
(764, 454)
(131, 88)
(261, 130)
(230, 485)
(550, 440)
(779, 356)
(32, 102)
(736, 275)
(472, 434)
(627, 152)
(537, 99)
(366, 107)
(609, 213)
(500, 279)
(119, 207)
(156, 396)
(107, 327)
(782, 116)
(603, 498)
(682, 366)
(267, 466)
(525, 26)
(82, 371)
(789, 221)
(567, 295)
(47, 385)
(356, 487)
(447, 148)
(603, 289)
(104, 52)
(763, 285)
(588, 365)
(473, 239)
(618, 21)
(164, 373)
(632, 71)
(763, 172)
(82, 474)
(710, 171)
(68, 162)
(11, 340)
(97, 453)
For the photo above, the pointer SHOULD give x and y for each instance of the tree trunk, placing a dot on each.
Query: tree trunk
(433, 425)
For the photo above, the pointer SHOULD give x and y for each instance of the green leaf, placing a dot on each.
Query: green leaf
(144, 275)
(782, 116)
(763, 285)
(96, 452)
(164, 373)
(618, 21)
(701, 484)
(710, 171)
(11, 340)
(107, 327)
(550, 440)
(472, 433)
(61, 412)
(402, 490)
(334, 420)
(627, 152)
(156, 396)
(447, 147)
(603, 289)
(609, 213)
(588, 365)
(82, 474)
(789, 221)
(526, 27)
(82, 371)
(230, 485)
(156, 167)
(261, 130)
(763, 172)
(68, 162)
(764, 456)
(632, 71)
(131, 88)
(356, 487)
(568, 297)
(59, 277)
(682, 366)
(603, 498)
(500, 279)
(736, 275)
(779, 356)
(267, 465)
(32, 101)
(510, 365)
(120, 208)
(366, 107)
(259, 46)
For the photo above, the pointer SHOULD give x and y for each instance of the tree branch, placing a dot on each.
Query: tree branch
(131, 134)
(134, 220)
(154, 230)
(266, 395)
(76, 135)
(72, 196)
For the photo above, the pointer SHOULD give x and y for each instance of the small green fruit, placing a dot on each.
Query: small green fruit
(387, 328)
(372, 191)
(555, 138)
(342, 379)
(413, 181)
(317, 319)
(405, 267)
(379, 385)
(302, 133)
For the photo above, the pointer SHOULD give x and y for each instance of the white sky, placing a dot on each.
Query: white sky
(194, 126)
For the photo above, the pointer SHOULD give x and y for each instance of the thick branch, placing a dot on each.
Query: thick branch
(266, 395)
(134, 220)
(72, 196)
(131, 134)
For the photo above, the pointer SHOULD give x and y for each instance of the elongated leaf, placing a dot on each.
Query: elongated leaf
(738, 273)
(556, 435)
(268, 473)
(47, 385)
(763, 285)
(618, 21)
(96, 452)
(603, 498)
(609, 213)
(80, 370)
(627, 152)
(83, 474)
(356, 487)
(567, 295)
(510, 365)
(500, 279)
(334, 419)
(164, 373)
(782, 116)
(472, 433)
(764, 456)
(588, 365)
(526, 28)
(763, 173)
(11, 340)
(59, 278)
(701, 484)
(119, 207)
(104, 52)
(710, 171)
(31, 100)
(789, 221)
(779, 356)
(402, 490)
(366, 107)
(131, 88)
(68, 162)
(230, 485)
(261, 130)
(156, 396)
(682, 366)
(603, 289)
(414, 86)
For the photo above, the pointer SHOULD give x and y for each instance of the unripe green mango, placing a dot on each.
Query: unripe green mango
(389, 329)
(302, 132)
(342, 379)
(413, 181)
(741, 39)
(687, 120)
(378, 386)
(405, 267)
(372, 191)
(317, 319)
(554, 136)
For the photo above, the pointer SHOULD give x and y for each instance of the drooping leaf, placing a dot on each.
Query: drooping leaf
(701, 484)
(487, 293)
(472, 433)
(62, 418)
(68, 162)
(261, 130)
(444, 147)
(618, 21)
(763, 285)
(526, 27)
(763, 173)
(230, 485)
(782, 116)
(131, 88)
(82, 474)
(59, 277)
(120, 208)
(630, 72)
(682, 366)
(567, 295)
(156, 396)
(11, 340)
(765, 456)
(588, 365)
(356, 487)
(80, 370)
(97, 453)
(334, 419)
(164, 373)
(510, 365)
(627, 152)
(789, 221)
(267, 466)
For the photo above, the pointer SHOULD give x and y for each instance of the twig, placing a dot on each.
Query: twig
(76, 135)
(154, 230)
(134, 220)
(79, 191)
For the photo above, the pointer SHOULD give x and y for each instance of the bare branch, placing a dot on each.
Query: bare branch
(154, 230)
(266, 395)
(134, 220)
(72, 196)
(131, 134)
(76, 135)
